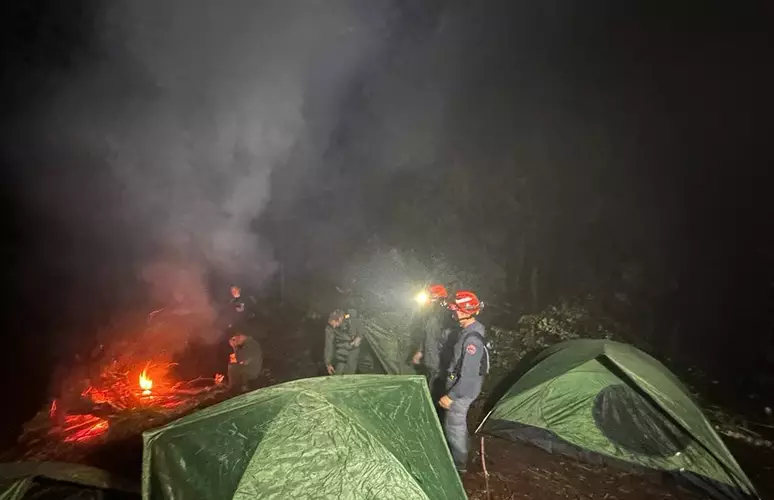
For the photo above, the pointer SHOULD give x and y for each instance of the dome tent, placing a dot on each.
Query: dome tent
(601, 400)
(61, 481)
(350, 437)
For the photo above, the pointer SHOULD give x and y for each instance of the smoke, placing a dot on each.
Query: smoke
(186, 113)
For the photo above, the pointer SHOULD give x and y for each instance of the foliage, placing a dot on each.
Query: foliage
(569, 319)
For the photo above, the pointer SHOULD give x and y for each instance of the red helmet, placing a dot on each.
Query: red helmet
(466, 301)
(437, 292)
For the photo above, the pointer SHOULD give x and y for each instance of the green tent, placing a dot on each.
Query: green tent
(606, 401)
(391, 339)
(61, 481)
(346, 437)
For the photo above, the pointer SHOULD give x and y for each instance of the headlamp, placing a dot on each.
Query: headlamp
(422, 298)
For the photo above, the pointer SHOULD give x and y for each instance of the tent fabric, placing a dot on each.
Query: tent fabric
(614, 400)
(391, 341)
(56, 480)
(345, 437)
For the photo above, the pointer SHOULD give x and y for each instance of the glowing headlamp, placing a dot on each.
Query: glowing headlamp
(422, 298)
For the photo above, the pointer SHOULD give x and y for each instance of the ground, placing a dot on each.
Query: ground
(517, 471)
(520, 471)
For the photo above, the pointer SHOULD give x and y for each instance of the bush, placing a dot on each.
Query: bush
(564, 321)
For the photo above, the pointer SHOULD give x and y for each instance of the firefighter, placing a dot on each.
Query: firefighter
(466, 375)
(245, 362)
(240, 313)
(434, 351)
(342, 343)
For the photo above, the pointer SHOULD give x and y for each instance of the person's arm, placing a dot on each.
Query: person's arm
(329, 337)
(465, 382)
(357, 332)
(427, 330)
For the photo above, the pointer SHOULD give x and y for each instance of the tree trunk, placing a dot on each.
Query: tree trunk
(534, 278)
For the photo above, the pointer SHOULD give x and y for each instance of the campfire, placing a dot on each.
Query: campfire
(125, 394)
(127, 385)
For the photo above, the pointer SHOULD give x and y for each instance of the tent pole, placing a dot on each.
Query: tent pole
(486, 472)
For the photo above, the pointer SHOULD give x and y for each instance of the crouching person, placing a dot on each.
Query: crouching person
(245, 363)
(466, 376)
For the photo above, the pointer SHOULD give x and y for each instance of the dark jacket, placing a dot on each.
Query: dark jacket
(339, 342)
(465, 371)
(250, 355)
(240, 311)
(437, 333)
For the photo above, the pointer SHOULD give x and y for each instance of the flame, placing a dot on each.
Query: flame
(146, 384)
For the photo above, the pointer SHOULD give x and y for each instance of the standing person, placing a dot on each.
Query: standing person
(354, 329)
(437, 330)
(342, 343)
(245, 362)
(466, 375)
(240, 313)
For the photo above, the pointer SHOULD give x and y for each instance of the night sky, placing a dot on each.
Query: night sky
(228, 139)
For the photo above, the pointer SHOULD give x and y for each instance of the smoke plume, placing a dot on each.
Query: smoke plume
(168, 137)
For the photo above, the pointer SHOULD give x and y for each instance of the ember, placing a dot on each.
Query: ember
(146, 384)
(96, 395)
(83, 427)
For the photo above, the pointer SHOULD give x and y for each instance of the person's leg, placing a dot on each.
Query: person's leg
(437, 389)
(237, 378)
(435, 383)
(352, 361)
(244, 379)
(233, 376)
(456, 429)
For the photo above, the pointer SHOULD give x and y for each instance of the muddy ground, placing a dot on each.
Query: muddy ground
(519, 471)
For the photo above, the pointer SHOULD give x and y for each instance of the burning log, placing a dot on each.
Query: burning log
(123, 402)
(84, 427)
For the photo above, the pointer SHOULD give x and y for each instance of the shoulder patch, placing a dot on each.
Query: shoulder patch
(471, 349)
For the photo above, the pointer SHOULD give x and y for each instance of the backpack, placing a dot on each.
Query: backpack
(485, 364)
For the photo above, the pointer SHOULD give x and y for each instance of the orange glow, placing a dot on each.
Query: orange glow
(96, 395)
(146, 384)
(84, 427)
(115, 391)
